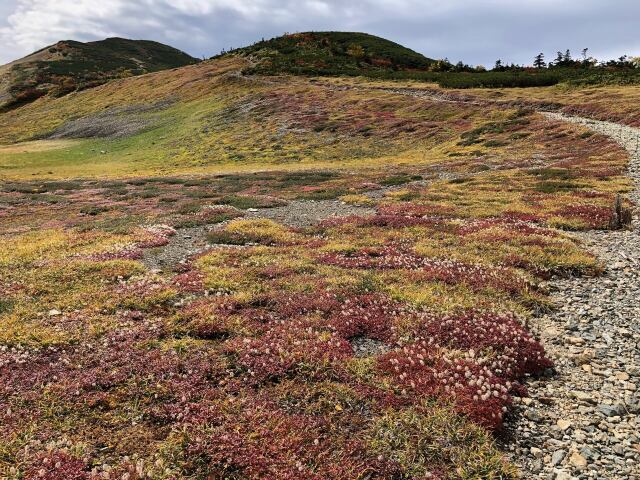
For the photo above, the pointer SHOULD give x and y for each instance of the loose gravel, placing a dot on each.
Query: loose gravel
(582, 422)
(305, 213)
(296, 213)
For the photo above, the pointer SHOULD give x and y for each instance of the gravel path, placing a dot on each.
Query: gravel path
(304, 213)
(296, 213)
(584, 421)
(185, 243)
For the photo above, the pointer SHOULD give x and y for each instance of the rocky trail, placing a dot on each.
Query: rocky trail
(296, 213)
(583, 422)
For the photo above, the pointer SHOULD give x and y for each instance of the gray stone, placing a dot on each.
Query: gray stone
(557, 457)
(612, 410)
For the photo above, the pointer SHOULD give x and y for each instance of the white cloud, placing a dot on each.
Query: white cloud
(477, 31)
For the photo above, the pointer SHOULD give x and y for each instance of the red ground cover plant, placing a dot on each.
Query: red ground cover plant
(473, 359)
(58, 466)
(288, 348)
(369, 316)
(190, 281)
(421, 369)
(594, 216)
(429, 269)
(522, 217)
(499, 341)
(268, 442)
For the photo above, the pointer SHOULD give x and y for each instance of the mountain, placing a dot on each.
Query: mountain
(70, 65)
(330, 53)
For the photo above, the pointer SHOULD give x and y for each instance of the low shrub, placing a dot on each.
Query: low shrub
(399, 179)
(57, 465)
(261, 231)
(497, 80)
(93, 210)
(292, 348)
(422, 370)
(250, 201)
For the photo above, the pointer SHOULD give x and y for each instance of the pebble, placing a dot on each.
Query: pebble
(536, 452)
(563, 424)
(578, 461)
(557, 457)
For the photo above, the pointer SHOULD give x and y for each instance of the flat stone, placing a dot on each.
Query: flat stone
(611, 410)
(582, 396)
(563, 424)
(578, 460)
(622, 376)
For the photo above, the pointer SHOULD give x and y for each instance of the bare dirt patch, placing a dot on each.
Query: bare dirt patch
(36, 146)
(296, 213)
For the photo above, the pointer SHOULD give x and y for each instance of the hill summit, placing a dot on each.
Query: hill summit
(330, 53)
(70, 65)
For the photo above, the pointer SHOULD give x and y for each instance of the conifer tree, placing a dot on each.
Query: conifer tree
(567, 57)
(538, 61)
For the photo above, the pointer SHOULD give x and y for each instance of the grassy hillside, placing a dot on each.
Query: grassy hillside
(360, 54)
(327, 53)
(70, 65)
(157, 321)
(208, 117)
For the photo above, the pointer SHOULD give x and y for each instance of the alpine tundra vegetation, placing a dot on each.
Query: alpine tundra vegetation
(306, 259)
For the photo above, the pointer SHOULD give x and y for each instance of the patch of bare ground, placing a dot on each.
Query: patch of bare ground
(296, 213)
(36, 146)
(113, 123)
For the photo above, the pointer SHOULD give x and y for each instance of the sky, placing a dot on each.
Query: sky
(475, 31)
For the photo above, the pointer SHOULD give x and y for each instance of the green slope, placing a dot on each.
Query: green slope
(330, 53)
(70, 65)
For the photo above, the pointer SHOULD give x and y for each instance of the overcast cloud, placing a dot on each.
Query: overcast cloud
(475, 31)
